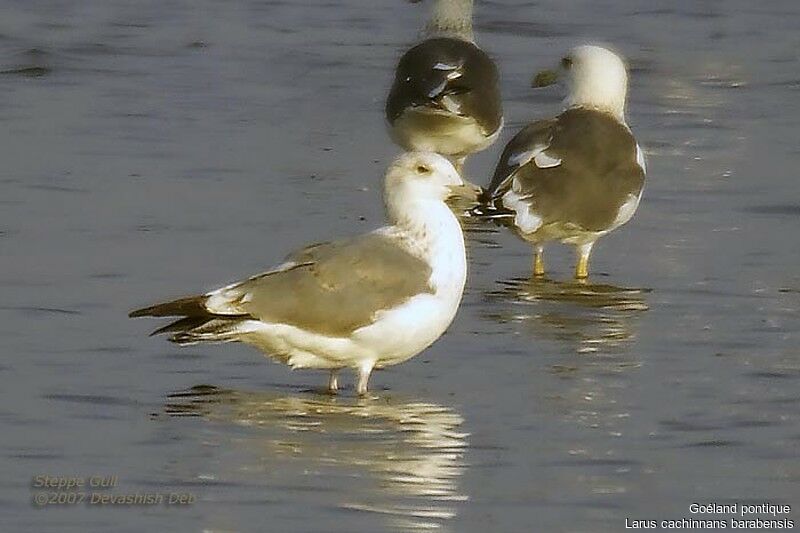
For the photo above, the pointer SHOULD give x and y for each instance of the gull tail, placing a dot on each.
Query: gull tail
(196, 323)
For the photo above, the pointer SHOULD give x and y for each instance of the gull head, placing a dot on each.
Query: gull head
(596, 78)
(416, 176)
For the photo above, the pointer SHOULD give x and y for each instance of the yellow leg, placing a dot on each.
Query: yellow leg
(538, 262)
(582, 268)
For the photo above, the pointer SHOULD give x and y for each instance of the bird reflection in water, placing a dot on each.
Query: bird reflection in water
(412, 451)
(596, 317)
(591, 388)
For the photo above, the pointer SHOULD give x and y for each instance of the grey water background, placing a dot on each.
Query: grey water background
(157, 148)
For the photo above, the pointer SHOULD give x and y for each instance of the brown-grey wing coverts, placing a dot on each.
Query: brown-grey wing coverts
(338, 287)
(330, 288)
(597, 174)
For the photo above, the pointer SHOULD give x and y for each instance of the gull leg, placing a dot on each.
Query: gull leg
(582, 268)
(364, 370)
(458, 163)
(538, 262)
(333, 381)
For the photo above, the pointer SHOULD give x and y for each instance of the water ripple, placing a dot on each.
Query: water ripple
(412, 451)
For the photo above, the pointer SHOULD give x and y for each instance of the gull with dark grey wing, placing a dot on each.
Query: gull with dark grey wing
(366, 302)
(575, 177)
(446, 97)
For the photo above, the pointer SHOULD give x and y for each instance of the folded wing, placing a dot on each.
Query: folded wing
(447, 75)
(330, 288)
(578, 169)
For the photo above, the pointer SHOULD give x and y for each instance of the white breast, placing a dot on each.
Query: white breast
(399, 333)
(406, 330)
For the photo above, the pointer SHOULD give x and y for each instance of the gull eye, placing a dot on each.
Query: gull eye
(566, 63)
(422, 169)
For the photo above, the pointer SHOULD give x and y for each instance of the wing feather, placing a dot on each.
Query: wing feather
(331, 288)
(447, 75)
(523, 148)
(576, 170)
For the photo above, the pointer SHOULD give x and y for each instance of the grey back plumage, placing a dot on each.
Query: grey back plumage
(447, 74)
(338, 287)
(594, 170)
(330, 288)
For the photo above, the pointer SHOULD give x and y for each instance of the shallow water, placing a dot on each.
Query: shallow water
(159, 149)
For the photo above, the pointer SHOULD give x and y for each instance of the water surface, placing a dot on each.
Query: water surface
(162, 148)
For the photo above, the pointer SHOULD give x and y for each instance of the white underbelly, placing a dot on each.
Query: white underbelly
(300, 348)
(446, 134)
(405, 331)
(396, 335)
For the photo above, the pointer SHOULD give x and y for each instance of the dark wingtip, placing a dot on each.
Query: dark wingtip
(484, 196)
(488, 207)
(161, 330)
(191, 306)
(182, 325)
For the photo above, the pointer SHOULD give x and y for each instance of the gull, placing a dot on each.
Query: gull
(365, 302)
(575, 177)
(446, 97)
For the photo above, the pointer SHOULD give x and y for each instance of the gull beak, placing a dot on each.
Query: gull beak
(545, 78)
(464, 192)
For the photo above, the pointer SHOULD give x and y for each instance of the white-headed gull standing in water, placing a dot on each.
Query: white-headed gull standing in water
(366, 302)
(575, 177)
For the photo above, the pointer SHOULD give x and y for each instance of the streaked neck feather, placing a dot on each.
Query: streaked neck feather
(613, 106)
(450, 18)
